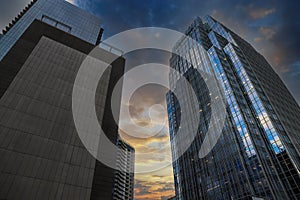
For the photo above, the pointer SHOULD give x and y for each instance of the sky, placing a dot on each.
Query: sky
(272, 27)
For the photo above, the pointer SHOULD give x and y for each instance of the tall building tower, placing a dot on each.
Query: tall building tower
(124, 176)
(58, 13)
(41, 154)
(257, 155)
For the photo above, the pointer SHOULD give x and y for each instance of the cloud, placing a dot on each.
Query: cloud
(268, 32)
(147, 108)
(158, 185)
(257, 39)
(259, 13)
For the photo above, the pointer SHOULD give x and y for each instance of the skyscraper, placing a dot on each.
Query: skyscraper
(41, 154)
(124, 176)
(257, 155)
(58, 13)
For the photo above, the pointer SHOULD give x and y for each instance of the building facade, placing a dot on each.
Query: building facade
(58, 13)
(41, 154)
(257, 155)
(124, 175)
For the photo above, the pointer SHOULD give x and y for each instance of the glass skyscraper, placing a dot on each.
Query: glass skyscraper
(58, 13)
(257, 155)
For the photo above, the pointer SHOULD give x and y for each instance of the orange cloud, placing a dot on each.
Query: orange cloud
(268, 32)
(152, 153)
(281, 68)
(156, 185)
(257, 39)
(260, 13)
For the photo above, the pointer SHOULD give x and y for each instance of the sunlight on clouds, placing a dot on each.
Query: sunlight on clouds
(156, 185)
(268, 32)
(259, 13)
(153, 153)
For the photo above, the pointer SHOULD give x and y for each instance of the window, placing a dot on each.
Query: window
(56, 24)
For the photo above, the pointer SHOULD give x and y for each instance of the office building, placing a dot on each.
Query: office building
(124, 176)
(41, 154)
(257, 154)
(58, 13)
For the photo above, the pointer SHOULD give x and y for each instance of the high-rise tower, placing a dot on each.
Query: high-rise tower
(58, 13)
(257, 155)
(124, 176)
(41, 153)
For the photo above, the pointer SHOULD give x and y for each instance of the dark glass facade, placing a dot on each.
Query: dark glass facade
(41, 154)
(58, 13)
(41, 51)
(257, 155)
